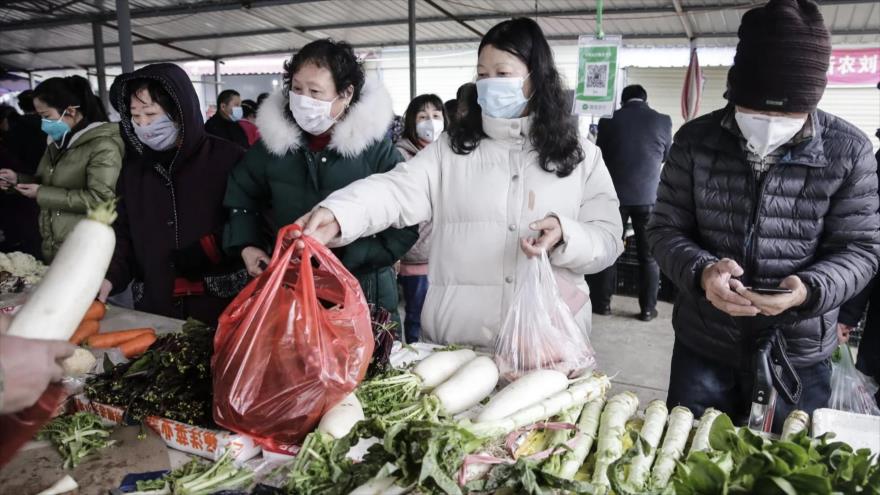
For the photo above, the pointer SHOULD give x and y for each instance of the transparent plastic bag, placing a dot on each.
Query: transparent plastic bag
(539, 331)
(851, 390)
(294, 343)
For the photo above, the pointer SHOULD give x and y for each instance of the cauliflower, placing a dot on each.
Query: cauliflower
(22, 265)
(79, 364)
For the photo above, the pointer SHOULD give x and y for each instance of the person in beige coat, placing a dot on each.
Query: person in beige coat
(512, 179)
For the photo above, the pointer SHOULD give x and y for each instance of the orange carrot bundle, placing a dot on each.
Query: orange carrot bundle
(114, 339)
(85, 330)
(137, 346)
(96, 311)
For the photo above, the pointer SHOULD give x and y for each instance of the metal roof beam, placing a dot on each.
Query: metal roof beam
(447, 41)
(147, 12)
(453, 17)
(685, 20)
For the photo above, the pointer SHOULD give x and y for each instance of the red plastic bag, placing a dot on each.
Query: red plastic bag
(292, 344)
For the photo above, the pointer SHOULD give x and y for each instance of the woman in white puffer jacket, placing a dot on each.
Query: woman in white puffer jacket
(499, 187)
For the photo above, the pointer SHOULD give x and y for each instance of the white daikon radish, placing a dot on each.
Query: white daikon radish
(579, 393)
(588, 427)
(652, 431)
(609, 447)
(530, 389)
(57, 306)
(681, 420)
(469, 385)
(795, 423)
(342, 417)
(64, 485)
(701, 436)
(438, 367)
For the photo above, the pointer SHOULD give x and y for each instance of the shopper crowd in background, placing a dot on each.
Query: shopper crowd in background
(449, 200)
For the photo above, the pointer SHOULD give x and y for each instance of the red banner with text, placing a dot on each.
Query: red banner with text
(858, 67)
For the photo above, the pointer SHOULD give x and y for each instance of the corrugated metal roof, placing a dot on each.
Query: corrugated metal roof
(35, 36)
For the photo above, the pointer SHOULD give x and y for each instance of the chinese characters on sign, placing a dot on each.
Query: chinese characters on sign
(854, 67)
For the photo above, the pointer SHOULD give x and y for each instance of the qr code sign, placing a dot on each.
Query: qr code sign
(596, 80)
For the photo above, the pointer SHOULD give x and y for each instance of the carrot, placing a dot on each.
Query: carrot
(113, 339)
(137, 346)
(86, 329)
(96, 311)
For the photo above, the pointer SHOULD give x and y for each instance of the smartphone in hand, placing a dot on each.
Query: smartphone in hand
(769, 291)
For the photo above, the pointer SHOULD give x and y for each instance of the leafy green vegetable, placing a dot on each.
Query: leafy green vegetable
(172, 379)
(192, 467)
(385, 393)
(76, 436)
(743, 462)
(222, 475)
(200, 478)
(526, 476)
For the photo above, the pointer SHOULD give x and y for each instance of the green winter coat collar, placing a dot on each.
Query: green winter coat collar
(365, 123)
(90, 132)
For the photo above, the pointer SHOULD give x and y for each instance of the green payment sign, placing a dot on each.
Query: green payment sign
(597, 75)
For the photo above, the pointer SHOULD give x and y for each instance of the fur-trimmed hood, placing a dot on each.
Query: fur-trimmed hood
(365, 123)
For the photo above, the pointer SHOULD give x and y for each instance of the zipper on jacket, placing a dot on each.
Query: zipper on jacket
(751, 257)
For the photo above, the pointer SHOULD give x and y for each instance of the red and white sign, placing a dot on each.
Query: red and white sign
(854, 67)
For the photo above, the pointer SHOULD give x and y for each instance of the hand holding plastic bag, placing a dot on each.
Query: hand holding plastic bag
(294, 343)
(539, 331)
(851, 390)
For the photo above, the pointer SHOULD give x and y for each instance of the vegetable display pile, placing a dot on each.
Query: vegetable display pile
(172, 379)
(419, 441)
(199, 478)
(76, 436)
(544, 434)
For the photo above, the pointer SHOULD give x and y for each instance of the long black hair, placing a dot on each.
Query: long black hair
(62, 92)
(554, 136)
(415, 106)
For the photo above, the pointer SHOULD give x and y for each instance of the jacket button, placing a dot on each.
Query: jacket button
(508, 279)
(515, 177)
(511, 227)
(170, 222)
(323, 159)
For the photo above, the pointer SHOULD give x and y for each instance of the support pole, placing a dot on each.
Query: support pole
(123, 23)
(217, 79)
(100, 68)
(412, 49)
(31, 79)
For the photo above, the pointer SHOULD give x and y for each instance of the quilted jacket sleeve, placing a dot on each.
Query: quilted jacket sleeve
(672, 231)
(593, 240)
(399, 198)
(849, 250)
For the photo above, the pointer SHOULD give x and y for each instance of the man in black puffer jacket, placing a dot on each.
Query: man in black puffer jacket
(768, 192)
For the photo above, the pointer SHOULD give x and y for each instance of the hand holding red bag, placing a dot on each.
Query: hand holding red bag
(293, 343)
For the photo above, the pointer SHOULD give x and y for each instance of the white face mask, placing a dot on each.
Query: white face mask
(765, 133)
(429, 130)
(502, 97)
(313, 116)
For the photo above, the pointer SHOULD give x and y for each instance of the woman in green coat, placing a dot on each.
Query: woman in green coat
(323, 132)
(81, 164)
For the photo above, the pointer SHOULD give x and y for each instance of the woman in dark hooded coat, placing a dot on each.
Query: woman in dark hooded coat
(171, 215)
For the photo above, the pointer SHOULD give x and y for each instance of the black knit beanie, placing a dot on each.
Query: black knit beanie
(782, 58)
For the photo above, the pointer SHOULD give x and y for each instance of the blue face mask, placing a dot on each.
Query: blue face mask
(237, 113)
(55, 129)
(502, 97)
